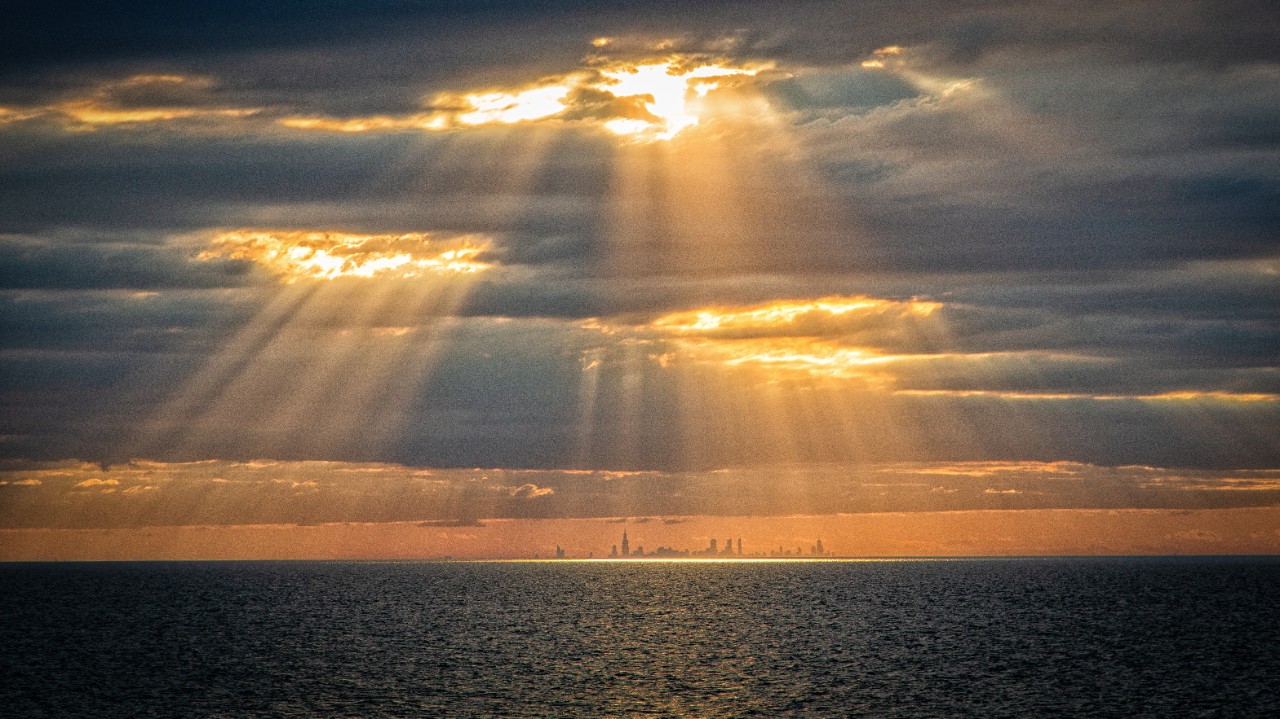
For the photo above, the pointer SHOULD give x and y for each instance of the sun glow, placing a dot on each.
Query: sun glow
(511, 107)
(302, 255)
(817, 338)
(670, 93)
(790, 356)
(646, 101)
(784, 313)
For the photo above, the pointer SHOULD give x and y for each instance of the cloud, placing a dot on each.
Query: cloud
(517, 393)
(300, 255)
(451, 523)
(28, 262)
(531, 491)
(818, 317)
(267, 493)
(95, 482)
(1195, 535)
(143, 99)
(843, 88)
(652, 99)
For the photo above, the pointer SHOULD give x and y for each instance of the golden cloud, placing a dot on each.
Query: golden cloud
(95, 482)
(654, 99)
(295, 255)
(820, 337)
(791, 317)
(134, 100)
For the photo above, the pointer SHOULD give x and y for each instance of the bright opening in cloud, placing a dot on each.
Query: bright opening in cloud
(650, 101)
(318, 255)
(671, 94)
(784, 313)
(512, 107)
(789, 355)
(646, 101)
(819, 338)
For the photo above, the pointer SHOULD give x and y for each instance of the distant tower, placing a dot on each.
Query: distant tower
(739, 546)
(714, 550)
(614, 553)
(626, 546)
(821, 552)
(728, 547)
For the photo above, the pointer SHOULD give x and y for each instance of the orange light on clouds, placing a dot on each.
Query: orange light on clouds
(788, 355)
(670, 94)
(647, 101)
(375, 123)
(880, 56)
(170, 98)
(797, 336)
(318, 255)
(505, 108)
(784, 313)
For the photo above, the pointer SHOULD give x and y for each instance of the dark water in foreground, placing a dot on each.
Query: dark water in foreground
(1025, 638)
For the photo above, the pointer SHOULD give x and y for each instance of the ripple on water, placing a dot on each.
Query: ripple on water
(1015, 638)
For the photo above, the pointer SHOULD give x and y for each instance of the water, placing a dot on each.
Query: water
(997, 638)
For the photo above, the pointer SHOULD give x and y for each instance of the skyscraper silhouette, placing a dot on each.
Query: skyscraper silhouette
(626, 546)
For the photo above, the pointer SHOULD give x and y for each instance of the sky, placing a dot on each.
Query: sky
(477, 279)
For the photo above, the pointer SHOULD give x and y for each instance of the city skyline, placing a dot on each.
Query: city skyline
(713, 550)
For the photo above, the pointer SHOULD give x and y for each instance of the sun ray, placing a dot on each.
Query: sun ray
(164, 428)
(303, 360)
(587, 406)
(387, 407)
(342, 351)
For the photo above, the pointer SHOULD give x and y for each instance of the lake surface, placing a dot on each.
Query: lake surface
(975, 638)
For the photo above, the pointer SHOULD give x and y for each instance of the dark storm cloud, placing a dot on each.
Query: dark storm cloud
(840, 89)
(123, 179)
(195, 323)
(31, 263)
(978, 177)
(68, 32)
(1217, 32)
